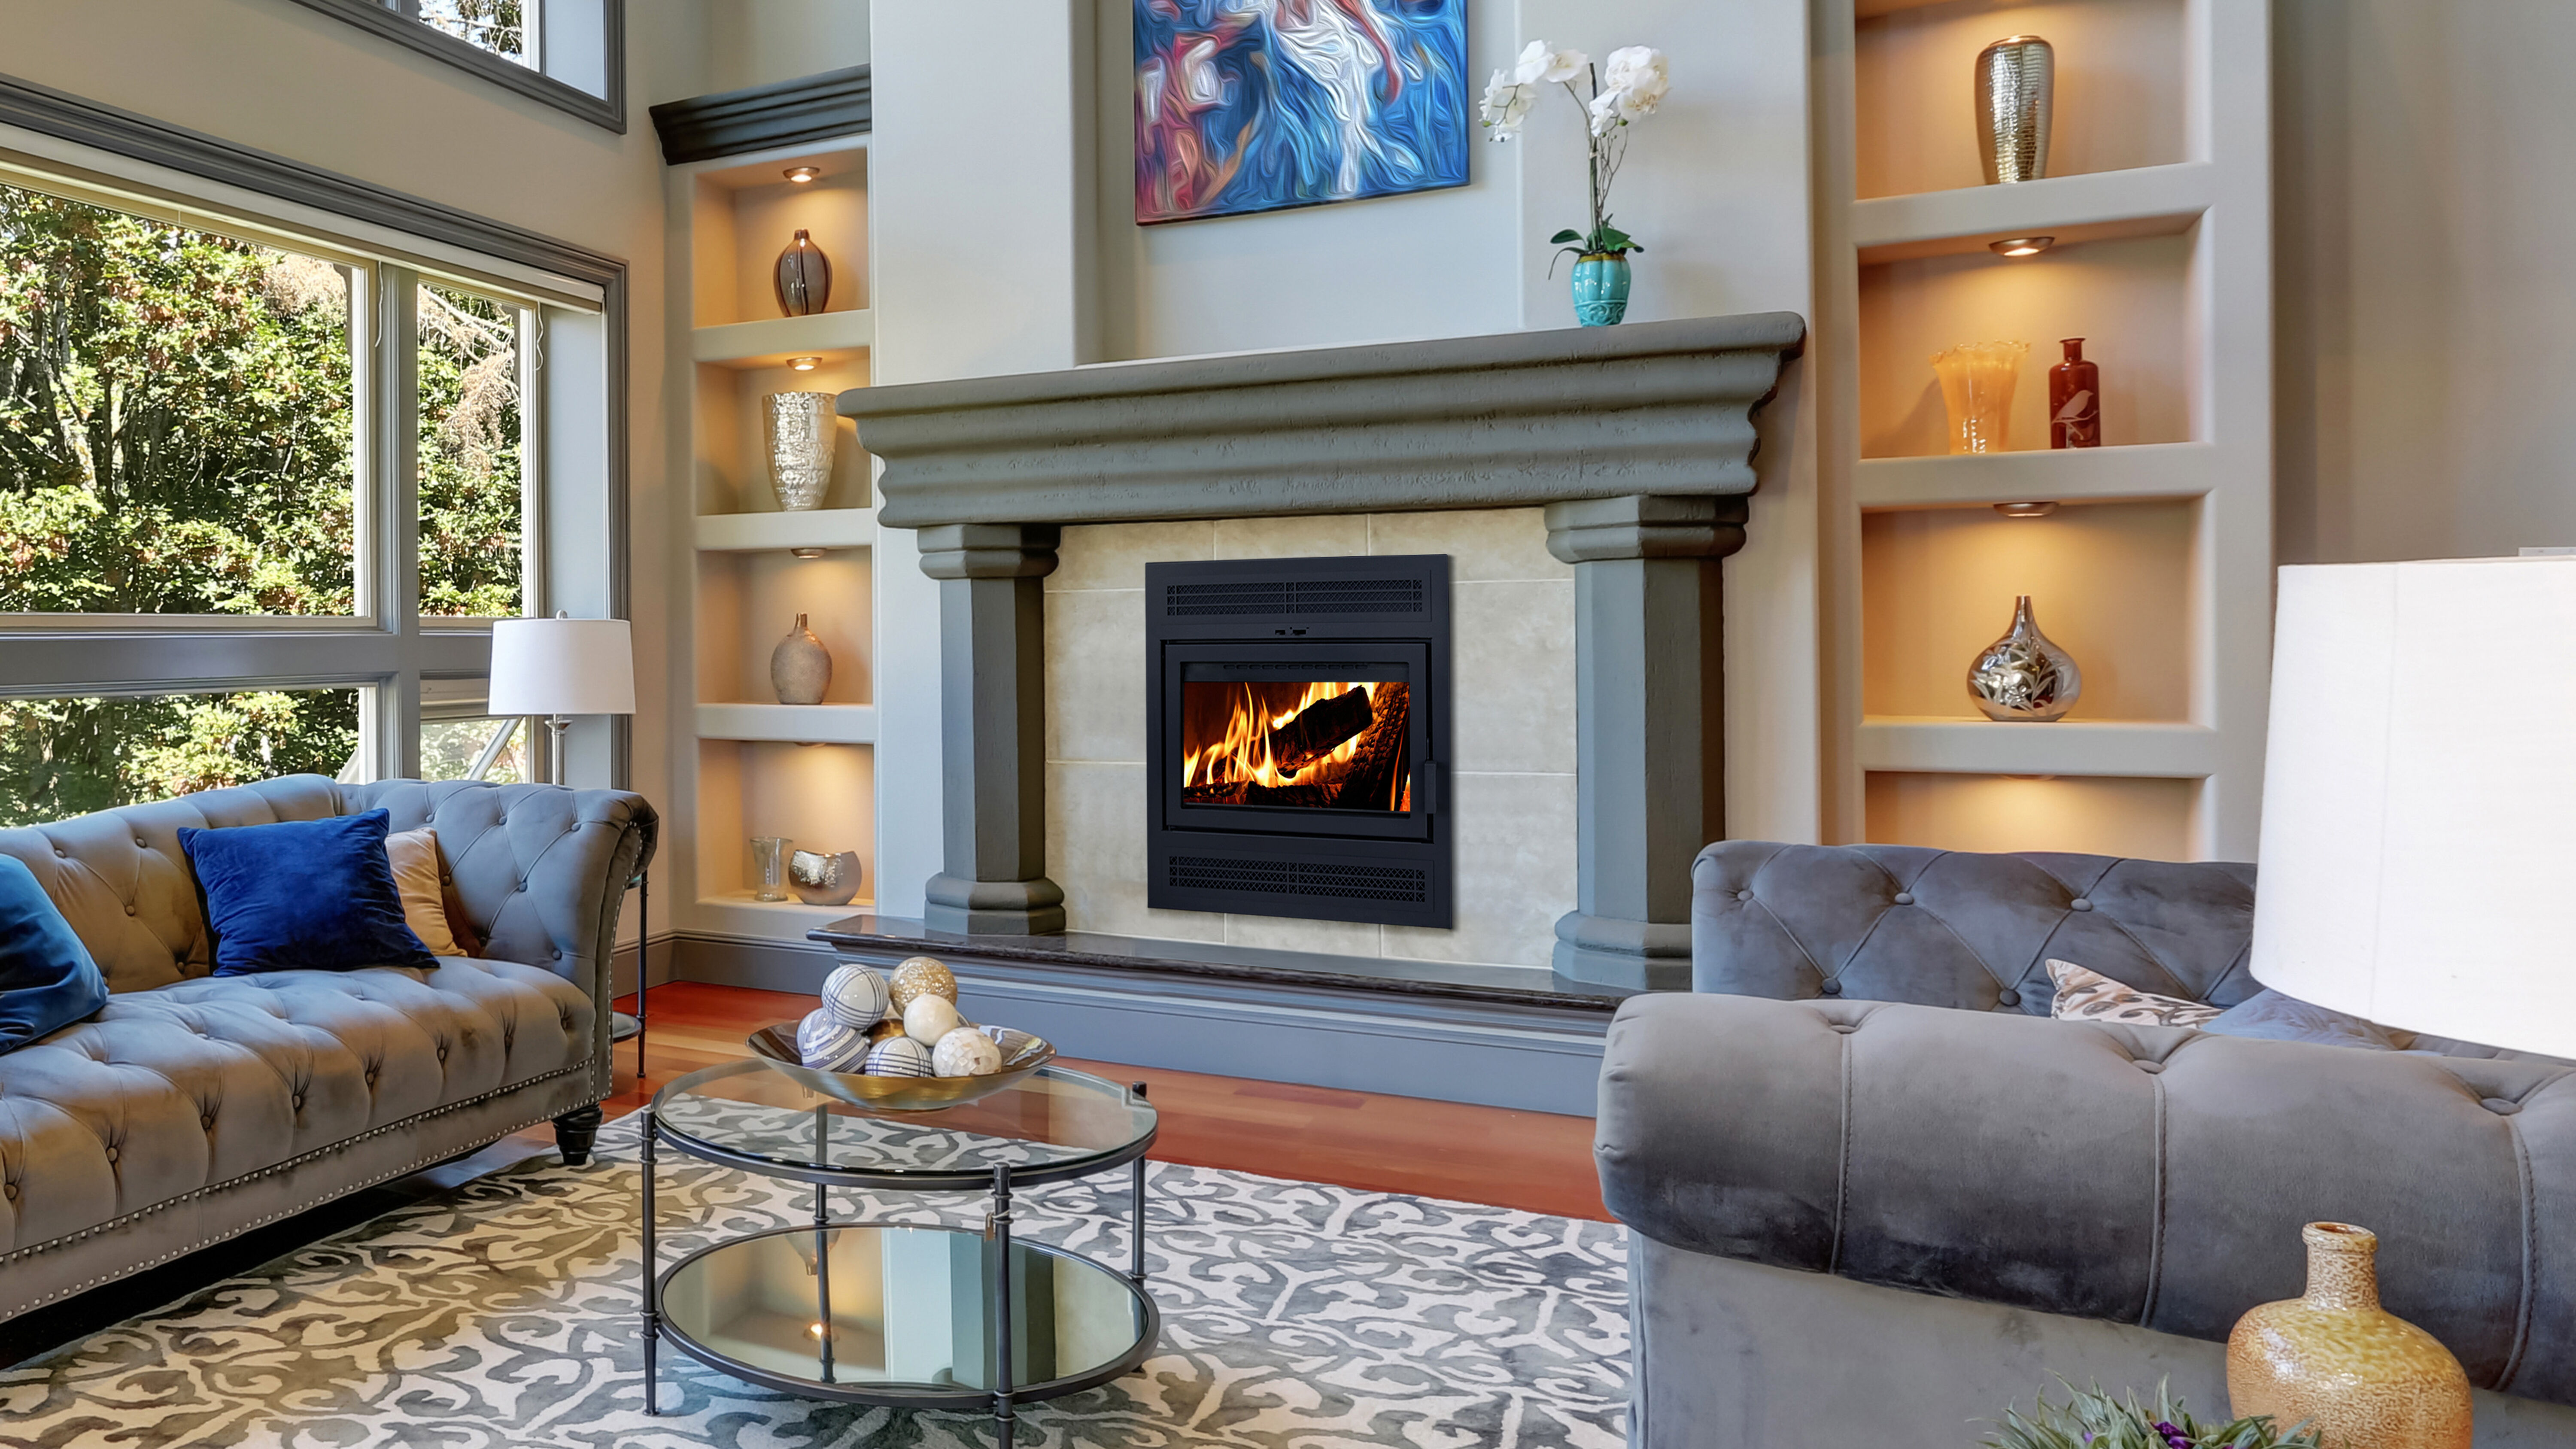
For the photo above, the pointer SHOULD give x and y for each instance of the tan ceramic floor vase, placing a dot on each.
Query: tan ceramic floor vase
(2334, 1358)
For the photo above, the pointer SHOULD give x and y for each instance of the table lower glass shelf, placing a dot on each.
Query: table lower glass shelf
(903, 1315)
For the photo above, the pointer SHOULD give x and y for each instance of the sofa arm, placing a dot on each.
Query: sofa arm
(2143, 1175)
(542, 869)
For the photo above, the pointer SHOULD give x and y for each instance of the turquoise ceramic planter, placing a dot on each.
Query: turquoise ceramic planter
(1601, 289)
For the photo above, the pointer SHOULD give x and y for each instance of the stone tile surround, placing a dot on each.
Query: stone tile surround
(1513, 751)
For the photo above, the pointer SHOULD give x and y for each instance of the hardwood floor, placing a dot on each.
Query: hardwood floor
(1536, 1161)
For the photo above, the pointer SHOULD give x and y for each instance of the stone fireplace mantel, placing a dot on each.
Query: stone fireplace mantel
(1638, 441)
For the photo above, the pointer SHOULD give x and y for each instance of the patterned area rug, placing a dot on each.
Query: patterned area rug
(1295, 1316)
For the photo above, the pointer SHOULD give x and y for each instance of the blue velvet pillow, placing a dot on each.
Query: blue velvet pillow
(2268, 1015)
(47, 980)
(304, 895)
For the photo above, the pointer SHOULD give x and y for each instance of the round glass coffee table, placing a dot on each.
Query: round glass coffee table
(899, 1314)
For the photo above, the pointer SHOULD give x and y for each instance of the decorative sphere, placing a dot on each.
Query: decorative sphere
(856, 995)
(828, 1044)
(966, 1052)
(929, 1018)
(920, 976)
(899, 1057)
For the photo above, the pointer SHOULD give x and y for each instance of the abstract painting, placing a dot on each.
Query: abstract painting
(1254, 105)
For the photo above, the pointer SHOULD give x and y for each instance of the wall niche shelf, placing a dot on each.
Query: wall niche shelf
(803, 772)
(2155, 569)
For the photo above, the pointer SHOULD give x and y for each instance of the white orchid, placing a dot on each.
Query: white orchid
(1506, 105)
(1636, 74)
(1538, 64)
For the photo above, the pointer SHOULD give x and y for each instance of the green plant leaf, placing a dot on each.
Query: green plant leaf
(1567, 235)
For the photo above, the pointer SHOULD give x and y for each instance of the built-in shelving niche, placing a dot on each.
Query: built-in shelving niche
(744, 215)
(2121, 96)
(2089, 815)
(819, 797)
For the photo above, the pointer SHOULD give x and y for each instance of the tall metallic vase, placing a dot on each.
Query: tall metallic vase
(802, 429)
(2016, 84)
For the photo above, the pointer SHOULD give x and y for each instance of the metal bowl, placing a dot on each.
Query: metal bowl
(1022, 1054)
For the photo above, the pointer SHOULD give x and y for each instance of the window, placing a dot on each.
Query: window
(69, 756)
(176, 418)
(261, 495)
(569, 54)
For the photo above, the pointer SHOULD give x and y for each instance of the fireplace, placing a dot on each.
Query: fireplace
(1298, 717)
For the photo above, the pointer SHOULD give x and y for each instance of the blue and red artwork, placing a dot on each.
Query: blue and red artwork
(1254, 105)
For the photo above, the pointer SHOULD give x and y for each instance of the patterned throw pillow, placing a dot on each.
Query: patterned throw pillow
(2091, 996)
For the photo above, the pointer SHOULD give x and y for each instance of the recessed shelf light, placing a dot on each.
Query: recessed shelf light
(2021, 246)
(803, 174)
(818, 553)
(2032, 509)
(804, 364)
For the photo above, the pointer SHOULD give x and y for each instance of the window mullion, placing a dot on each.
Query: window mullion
(395, 718)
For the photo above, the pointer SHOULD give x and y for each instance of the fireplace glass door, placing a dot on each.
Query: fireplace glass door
(1304, 738)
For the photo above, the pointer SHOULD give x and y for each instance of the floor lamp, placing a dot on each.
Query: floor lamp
(555, 669)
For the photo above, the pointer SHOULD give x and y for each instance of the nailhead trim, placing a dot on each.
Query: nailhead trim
(112, 1224)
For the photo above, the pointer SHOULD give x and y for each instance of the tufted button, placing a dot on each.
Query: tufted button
(2007, 997)
(2151, 1068)
(1831, 988)
(60, 853)
(1905, 898)
(207, 1121)
(9, 1191)
(299, 1101)
(1845, 1028)
(442, 1054)
(111, 1154)
(1744, 895)
(129, 908)
(139, 845)
(2079, 904)
(2500, 1106)
(558, 955)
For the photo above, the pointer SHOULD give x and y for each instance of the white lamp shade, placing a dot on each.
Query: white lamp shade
(562, 666)
(2419, 798)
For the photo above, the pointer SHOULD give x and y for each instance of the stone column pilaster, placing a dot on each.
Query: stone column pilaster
(992, 700)
(1651, 722)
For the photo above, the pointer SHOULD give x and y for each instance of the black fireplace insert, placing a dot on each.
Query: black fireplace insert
(1297, 721)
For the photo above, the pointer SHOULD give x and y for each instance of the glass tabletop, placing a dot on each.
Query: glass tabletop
(1056, 1122)
(869, 1309)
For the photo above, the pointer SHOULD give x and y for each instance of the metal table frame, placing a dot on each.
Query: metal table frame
(1003, 1179)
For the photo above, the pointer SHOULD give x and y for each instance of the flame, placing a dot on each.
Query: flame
(1243, 751)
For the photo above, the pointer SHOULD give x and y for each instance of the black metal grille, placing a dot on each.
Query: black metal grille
(1314, 879)
(1294, 596)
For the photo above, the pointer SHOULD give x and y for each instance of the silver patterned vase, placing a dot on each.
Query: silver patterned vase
(2016, 89)
(800, 668)
(804, 278)
(2024, 676)
(802, 432)
(824, 879)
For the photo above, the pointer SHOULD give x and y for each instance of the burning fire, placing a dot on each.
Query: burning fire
(1242, 753)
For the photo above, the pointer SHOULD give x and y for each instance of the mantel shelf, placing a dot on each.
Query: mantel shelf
(2069, 747)
(770, 343)
(2096, 206)
(2050, 475)
(795, 724)
(812, 528)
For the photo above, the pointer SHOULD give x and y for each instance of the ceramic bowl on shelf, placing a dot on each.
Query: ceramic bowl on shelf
(1021, 1055)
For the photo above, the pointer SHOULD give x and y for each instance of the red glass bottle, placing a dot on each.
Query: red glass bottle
(2074, 400)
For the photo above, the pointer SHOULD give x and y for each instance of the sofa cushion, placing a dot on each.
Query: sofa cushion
(47, 980)
(302, 894)
(173, 1090)
(2091, 996)
(2270, 1016)
(422, 883)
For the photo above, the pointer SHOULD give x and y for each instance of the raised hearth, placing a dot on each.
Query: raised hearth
(1638, 441)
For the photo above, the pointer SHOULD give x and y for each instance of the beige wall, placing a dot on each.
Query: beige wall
(2426, 225)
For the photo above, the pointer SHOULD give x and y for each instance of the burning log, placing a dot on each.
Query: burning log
(1373, 779)
(1320, 728)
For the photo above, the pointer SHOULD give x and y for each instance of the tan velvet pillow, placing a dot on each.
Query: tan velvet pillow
(414, 857)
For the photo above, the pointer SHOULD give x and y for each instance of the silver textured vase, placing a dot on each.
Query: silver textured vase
(802, 431)
(800, 668)
(804, 278)
(824, 879)
(2016, 87)
(2024, 676)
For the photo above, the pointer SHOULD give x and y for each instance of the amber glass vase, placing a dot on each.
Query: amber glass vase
(2335, 1359)
(1977, 382)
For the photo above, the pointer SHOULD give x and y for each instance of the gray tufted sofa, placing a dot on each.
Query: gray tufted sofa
(1876, 1194)
(193, 1108)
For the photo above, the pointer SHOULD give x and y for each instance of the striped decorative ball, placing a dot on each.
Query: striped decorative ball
(857, 996)
(828, 1044)
(899, 1057)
